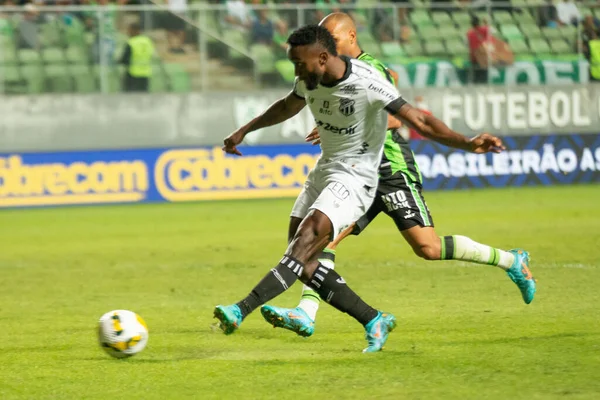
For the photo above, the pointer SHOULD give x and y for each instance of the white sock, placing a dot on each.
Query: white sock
(310, 300)
(458, 247)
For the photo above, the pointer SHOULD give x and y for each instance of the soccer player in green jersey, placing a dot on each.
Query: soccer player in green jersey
(399, 195)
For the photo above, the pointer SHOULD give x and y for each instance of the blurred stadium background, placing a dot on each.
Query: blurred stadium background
(73, 133)
(74, 46)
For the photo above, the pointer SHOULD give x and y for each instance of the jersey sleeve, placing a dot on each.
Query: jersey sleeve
(299, 88)
(381, 93)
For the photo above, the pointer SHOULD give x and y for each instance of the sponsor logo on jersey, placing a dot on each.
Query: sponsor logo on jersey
(395, 200)
(347, 130)
(339, 190)
(349, 89)
(325, 109)
(347, 107)
(382, 91)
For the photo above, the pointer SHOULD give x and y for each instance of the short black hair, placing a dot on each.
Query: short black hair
(311, 34)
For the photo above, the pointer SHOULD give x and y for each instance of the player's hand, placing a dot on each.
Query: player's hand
(313, 137)
(232, 141)
(486, 143)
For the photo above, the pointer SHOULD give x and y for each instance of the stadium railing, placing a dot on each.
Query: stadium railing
(76, 49)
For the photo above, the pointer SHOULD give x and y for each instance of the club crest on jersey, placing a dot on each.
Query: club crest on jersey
(349, 89)
(347, 107)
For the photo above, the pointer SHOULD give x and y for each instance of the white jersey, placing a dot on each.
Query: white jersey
(350, 115)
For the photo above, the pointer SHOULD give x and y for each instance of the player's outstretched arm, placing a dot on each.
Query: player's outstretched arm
(434, 129)
(282, 110)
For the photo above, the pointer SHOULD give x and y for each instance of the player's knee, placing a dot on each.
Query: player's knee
(428, 251)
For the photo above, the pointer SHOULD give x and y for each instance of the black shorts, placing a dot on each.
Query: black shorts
(402, 200)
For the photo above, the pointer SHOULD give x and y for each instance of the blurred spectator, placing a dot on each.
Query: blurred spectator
(486, 50)
(280, 37)
(253, 9)
(175, 25)
(383, 27)
(29, 28)
(402, 10)
(589, 28)
(477, 36)
(548, 15)
(137, 57)
(262, 29)
(237, 14)
(593, 55)
(88, 17)
(590, 45)
(105, 31)
(568, 13)
(382, 24)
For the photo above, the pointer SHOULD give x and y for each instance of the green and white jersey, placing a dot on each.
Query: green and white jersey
(397, 155)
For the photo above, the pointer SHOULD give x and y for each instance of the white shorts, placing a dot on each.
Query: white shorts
(339, 189)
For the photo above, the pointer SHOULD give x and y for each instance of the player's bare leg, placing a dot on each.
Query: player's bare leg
(428, 245)
(299, 262)
(293, 227)
(310, 300)
(306, 311)
(345, 233)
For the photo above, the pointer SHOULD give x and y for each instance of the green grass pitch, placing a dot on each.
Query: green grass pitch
(463, 330)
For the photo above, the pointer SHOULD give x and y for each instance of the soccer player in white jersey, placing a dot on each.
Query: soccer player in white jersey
(400, 196)
(347, 99)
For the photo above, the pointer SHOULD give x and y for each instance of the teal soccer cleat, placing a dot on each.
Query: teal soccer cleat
(230, 318)
(520, 274)
(293, 319)
(377, 331)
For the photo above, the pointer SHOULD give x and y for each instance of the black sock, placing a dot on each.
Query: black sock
(447, 247)
(277, 281)
(333, 289)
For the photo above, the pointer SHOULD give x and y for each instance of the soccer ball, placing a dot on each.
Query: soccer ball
(122, 333)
